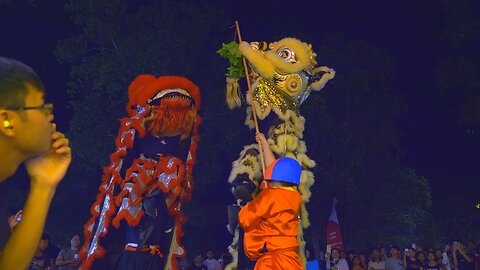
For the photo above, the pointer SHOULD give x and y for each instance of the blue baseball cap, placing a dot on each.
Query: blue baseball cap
(284, 169)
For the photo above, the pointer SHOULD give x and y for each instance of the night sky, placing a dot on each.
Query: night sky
(433, 141)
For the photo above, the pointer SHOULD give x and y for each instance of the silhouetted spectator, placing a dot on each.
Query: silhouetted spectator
(410, 261)
(446, 258)
(68, 259)
(376, 262)
(198, 263)
(312, 262)
(421, 257)
(335, 262)
(363, 261)
(432, 263)
(211, 262)
(357, 263)
(383, 253)
(462, 259)
(41, 260)
(394, 262)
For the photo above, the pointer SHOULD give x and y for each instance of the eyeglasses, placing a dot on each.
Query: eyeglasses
(46, 108)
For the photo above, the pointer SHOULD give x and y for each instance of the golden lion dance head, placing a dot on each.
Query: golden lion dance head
(289, 64)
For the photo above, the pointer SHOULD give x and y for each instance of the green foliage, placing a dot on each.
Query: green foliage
(231, 52)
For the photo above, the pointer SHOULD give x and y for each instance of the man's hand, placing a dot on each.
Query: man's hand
(45, 171)
(50, 168)
(267, 152)
(261, 138)
(13, 220)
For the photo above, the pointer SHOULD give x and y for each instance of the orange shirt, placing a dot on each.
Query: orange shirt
(271, 219)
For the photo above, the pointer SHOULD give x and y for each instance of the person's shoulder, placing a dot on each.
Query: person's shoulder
(289, 193)
(64, 251)
(268, 194)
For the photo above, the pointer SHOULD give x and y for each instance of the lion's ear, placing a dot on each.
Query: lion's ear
(136, 86)
(328, 74)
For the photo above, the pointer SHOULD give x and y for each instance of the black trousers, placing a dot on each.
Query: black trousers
(137, 260)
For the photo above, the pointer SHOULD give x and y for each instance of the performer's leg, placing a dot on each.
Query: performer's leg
(244, 262)
(287, 260)
(133, 260)
(126, 261)
(264, 262)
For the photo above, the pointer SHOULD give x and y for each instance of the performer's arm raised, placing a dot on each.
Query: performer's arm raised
(267, 152)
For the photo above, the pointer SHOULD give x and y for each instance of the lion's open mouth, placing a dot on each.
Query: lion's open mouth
(176, 94)
(172, 113)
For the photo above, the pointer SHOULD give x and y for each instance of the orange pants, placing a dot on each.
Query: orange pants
(287, 259)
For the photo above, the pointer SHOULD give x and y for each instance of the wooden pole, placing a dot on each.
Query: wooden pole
(254, 111)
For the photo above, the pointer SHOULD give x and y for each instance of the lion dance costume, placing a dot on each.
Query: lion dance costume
(149, 176)
(283, 75)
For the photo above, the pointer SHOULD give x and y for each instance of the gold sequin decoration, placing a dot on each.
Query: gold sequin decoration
(268, 94)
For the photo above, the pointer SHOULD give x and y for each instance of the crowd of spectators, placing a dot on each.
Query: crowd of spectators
(456, 256)
(451, 257)
(49, 257)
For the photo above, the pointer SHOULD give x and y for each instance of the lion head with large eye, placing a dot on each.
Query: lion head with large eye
(290, 64)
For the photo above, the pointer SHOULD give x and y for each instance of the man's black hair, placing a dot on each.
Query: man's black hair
(14, 76)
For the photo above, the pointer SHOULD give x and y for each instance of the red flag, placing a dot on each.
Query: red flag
(334, 235)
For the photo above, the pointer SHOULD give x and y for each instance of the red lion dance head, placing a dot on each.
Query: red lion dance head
(173, 102)
(161, 110)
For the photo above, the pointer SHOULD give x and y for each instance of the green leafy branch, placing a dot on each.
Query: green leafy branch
(231, 52)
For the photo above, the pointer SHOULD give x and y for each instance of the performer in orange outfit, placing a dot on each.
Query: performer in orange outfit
(270, 221)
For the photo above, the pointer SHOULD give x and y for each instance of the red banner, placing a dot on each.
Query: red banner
(334, 235)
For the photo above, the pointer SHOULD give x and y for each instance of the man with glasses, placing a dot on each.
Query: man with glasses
(28, 135)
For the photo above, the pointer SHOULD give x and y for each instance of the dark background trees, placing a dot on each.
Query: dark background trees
(394, 135)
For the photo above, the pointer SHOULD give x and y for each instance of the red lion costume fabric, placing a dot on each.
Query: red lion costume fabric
(149, 163)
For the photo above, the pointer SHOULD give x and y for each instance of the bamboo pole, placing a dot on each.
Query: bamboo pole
(254, 111)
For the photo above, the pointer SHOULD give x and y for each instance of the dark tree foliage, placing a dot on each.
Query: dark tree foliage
(118, 40)
(9, 2)
(350, 128)
(351, 134)
(458, 84)
(458, 70)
